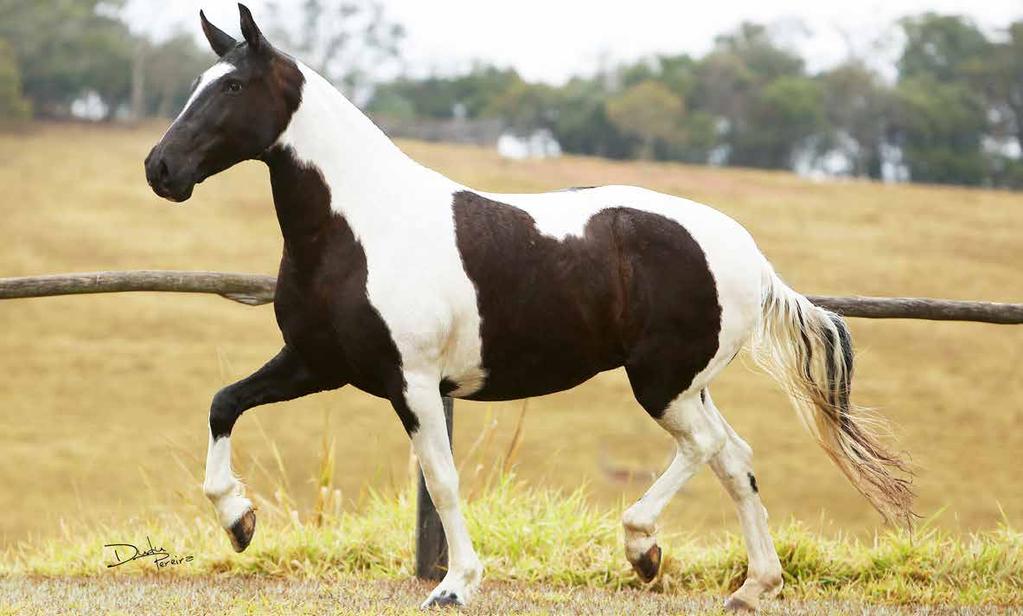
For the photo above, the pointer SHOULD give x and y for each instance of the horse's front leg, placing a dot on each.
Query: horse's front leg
(285, 377)
(421, 403)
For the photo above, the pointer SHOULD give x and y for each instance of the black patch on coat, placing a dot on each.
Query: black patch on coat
(753, 483)
(447, 386)
(634, 290)
(577, 188)
(703, 396)
(321, 303)
(285, 377)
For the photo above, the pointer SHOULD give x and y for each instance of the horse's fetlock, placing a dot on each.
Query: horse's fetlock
(771, 582)
(638, 522)
(217, 490)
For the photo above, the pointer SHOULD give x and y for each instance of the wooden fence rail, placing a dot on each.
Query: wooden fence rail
(257, 289)
(250, 289)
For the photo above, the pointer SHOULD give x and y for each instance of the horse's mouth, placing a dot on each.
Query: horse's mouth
(176, 194)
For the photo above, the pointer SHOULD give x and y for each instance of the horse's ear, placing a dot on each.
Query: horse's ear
(220, 41)
(250, 30)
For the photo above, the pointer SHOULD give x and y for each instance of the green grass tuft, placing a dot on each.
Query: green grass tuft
(540, 536)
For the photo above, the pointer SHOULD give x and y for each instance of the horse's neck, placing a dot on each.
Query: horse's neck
(368, 178)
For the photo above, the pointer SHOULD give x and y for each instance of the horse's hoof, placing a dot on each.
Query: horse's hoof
(241, 531)
(444, 599)
(648, 564)
(735, 604)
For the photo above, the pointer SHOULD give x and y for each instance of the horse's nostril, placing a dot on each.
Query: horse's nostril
(161, 170)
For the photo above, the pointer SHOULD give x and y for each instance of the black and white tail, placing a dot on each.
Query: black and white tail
(808, 350)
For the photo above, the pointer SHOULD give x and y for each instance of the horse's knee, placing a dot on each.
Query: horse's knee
(224, 411)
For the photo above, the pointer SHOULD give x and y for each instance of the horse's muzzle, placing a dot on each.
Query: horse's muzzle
(167, 179)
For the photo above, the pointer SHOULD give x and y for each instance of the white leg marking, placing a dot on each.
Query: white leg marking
(433, 449)
(734, 467)
(698, 436)
(221, 486)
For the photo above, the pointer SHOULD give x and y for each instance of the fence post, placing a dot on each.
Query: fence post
(431, 545)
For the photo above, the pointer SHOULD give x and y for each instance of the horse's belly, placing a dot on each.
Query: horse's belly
(535, 366)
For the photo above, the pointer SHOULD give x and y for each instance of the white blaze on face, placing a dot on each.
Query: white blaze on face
(212, 74)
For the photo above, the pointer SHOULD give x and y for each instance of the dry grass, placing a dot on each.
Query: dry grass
(104, 394)
(538, 545)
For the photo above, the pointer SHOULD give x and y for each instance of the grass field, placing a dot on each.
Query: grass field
(545, 551)
(105, 398)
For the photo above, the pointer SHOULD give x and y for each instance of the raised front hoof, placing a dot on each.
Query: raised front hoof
(443, 599)
(241, 531)
(648, 564)
(737, 605)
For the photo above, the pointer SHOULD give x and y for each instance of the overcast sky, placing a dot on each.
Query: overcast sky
(550, 40)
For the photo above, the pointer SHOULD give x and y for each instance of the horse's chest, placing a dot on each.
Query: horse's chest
(324, 314)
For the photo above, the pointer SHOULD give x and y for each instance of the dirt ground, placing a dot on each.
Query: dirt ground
(255, 595)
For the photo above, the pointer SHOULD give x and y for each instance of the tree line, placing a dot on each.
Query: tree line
(55, 52)
(953, 114)
(952, 111)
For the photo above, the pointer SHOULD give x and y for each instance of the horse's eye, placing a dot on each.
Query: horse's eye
(233, 87)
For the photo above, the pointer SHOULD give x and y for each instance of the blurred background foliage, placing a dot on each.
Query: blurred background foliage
(950, 111)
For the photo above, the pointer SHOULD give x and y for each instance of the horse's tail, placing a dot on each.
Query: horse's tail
(808, 350)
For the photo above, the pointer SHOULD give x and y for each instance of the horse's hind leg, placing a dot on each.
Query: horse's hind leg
(285, 377)
(699, 436)
(734, 467)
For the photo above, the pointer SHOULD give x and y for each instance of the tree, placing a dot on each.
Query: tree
(1004, 87)
(582, 125)
(744, 83)
(13, 106)
(942, 114)
(648, 111)
(945, 47)
(350, 42)
(64, 48)
(784, 115)
(940, 129)
(857, 105)
(1005, 82)
(437, 97)
(678, 73)
(525, 107)
(170, 68)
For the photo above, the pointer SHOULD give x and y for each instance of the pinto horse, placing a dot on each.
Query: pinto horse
(410, 286)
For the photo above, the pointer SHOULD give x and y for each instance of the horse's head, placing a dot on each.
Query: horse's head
(237, 110)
